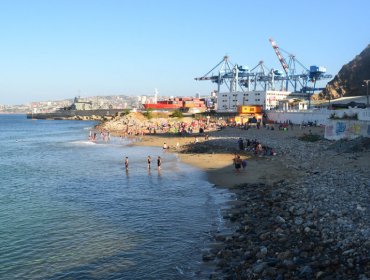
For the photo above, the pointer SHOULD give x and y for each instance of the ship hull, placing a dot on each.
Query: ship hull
(159, 106)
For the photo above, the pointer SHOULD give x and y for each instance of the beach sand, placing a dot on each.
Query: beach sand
(219, 166)
(221, 172)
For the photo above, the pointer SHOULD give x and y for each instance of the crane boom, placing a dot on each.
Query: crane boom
(280, 57)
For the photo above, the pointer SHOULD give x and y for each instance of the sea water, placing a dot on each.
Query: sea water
(69, 209)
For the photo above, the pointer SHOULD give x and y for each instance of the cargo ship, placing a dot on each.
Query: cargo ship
(180, 103)
(164, 105)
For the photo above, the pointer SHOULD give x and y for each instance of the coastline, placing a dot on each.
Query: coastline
(303, 213)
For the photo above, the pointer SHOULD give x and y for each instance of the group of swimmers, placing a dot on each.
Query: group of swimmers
(104, 135)
(149, 162)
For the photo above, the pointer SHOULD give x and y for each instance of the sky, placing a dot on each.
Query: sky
(59, 49)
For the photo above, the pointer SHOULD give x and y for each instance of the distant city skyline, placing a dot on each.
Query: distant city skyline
(53, 50)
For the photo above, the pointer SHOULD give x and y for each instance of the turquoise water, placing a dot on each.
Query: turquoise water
(69, 210)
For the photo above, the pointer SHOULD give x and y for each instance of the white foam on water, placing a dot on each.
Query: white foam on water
(80, 142)
(179, 270)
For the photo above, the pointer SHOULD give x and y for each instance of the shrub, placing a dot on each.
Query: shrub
(350, 117)
(177, 114)
(333, 116)
(345, 116)
(160, 115)
(148, 114)
(310, 137)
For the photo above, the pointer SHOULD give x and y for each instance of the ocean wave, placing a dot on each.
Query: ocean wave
(83, 142)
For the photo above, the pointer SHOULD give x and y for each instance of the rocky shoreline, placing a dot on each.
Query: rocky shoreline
(315, 226)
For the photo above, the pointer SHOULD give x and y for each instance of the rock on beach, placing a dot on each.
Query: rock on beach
(316, 226)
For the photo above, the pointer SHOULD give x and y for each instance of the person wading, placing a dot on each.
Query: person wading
(126, 163)
(149, 161)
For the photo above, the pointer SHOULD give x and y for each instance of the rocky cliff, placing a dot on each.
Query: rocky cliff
(349, 80)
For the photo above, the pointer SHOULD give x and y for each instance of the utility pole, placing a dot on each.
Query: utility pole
(367, 92)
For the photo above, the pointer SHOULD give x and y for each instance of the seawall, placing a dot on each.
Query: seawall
(67, 114)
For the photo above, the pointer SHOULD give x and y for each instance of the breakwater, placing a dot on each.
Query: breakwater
(74, 114)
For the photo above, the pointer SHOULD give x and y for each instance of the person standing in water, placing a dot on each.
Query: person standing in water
(149, 161)
(159, 162)
(126, 163)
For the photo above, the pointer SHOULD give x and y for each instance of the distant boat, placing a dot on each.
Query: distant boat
(183, 103)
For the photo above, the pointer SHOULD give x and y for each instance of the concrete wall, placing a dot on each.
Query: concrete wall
(298, 117)
(346, 129)
(364, 115)
(321, 116)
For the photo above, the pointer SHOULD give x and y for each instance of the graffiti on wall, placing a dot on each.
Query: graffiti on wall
(336, 130)
(340, 128)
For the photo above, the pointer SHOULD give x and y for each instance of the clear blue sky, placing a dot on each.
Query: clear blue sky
(57, 49)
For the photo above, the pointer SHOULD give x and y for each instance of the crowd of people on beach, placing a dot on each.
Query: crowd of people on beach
(182, 127)
(136, 124)
(255, 147)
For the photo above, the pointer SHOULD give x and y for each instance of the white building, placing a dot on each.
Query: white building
(291, 104)
(229, 101)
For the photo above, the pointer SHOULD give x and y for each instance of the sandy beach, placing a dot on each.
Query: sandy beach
(219, 164)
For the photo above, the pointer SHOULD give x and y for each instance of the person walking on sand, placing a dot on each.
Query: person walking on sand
(234, 159)
(126, 163)
(244, 163)
(149, 161)
(238, 163)
(159, 162)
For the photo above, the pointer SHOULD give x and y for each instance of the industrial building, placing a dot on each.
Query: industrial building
(229, 101)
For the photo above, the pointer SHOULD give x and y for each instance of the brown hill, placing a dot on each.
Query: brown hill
(349, 80)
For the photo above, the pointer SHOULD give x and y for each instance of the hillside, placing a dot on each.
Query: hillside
(349, 80)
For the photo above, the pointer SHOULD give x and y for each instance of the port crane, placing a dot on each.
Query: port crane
(295, 79)
(238, 78)
(227, 75)
(241, 78)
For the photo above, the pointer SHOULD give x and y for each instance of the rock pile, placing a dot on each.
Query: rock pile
(120, 123)
(316, 226)
(138, 124)
(356, 145)
(214, 145)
